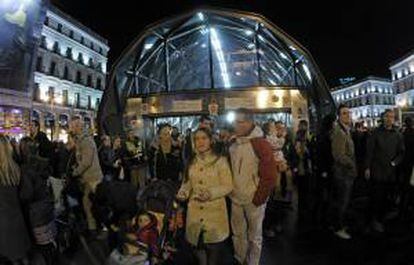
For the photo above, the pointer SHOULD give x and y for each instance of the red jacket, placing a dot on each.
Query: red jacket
(267, 170)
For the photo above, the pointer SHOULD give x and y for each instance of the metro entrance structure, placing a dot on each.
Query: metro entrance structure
(212, 61)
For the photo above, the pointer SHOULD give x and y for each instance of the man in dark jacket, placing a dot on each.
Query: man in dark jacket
(407, 167)
(45, 147)
(385, 151)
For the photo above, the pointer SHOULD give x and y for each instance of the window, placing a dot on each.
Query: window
(56, 48)
(59, 28)
(100, 50)
(51, 94)
(47, 21)
(82, 40)
(98, 101)
(66, 73)
(80, 58)
(99, 67)
(99, 83)
(90, 63)
(43, 42)
(91, 45)
(39, 64)
(89, 81)
(65, 97)
(36, 92)
(78, 77)
(69, 53)
(77, 100)
(89, 102)
(71, 34)
(52, 69)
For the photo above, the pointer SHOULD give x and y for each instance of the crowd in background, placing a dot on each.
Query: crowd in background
(236, 178)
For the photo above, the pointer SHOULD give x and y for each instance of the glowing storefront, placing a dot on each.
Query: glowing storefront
(212, 61)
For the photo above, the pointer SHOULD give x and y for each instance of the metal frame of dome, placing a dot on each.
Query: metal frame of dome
(115, 96)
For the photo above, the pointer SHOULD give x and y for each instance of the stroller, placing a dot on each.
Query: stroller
(157, 200)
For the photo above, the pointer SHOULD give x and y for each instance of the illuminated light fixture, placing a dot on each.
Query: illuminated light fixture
(283, 55)
(215, 41)
(292, 48)
(261, 38)
(275, 74)
(59, 100)
(238, 73)
(248, 32)
(263, 67)
(204, 31)
(251, 45)
(402, 102)
(203, 45)
(262, 99)
(200, 16)
(271, 81)
(148, 46)
(307, 72)
(231, 116)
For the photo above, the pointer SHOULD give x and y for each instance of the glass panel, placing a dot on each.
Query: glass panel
(189, 62)
(234, 57)
(151, 78)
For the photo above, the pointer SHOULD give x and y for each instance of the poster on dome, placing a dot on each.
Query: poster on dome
(20, 27)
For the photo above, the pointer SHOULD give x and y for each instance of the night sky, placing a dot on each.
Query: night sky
(346, 38)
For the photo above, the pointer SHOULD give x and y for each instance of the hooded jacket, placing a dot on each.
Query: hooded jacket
(254, 169)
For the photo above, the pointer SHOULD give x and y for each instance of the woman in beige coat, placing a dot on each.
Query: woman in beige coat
(207, 182)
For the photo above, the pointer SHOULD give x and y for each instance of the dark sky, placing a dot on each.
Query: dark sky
(346, 38)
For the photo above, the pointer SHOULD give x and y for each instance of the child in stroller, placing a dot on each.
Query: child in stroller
(150, 237)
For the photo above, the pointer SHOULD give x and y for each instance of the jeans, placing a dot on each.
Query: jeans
(380, 198)
(341, 195)
(246, 222)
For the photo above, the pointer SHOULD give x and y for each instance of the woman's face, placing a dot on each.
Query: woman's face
(202, 142)
(107, 142)
(117, 142)
(165, 133)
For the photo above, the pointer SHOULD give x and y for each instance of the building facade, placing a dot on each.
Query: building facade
(20, 27)
(70, 73)
(367, 98)
(402, 72)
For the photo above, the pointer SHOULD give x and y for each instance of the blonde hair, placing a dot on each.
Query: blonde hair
(9, 170)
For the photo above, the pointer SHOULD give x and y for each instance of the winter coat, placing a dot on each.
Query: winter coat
(213, 174)
(35, 192)
(149, 234)
(45, 146)
(87, 160)
(107, 160)
(254, 169)
(166, 166)
(14, 238)
(383, 147)
(343, 153)
(38, 200)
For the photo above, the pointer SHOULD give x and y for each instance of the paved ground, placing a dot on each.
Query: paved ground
(297, 245)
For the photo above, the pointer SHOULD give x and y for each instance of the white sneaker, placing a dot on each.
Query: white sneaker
(343, 234)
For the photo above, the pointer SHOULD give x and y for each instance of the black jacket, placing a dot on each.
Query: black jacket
(384, 146)
(35, 193)
(166, 166)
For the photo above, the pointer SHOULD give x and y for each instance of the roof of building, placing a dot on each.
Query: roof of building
(397, 61)
(368, 78)
(76, 23)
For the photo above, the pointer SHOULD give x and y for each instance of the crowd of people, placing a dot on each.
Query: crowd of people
(236, 183)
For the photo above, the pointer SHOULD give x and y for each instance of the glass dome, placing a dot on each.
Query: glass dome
(211, 50)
